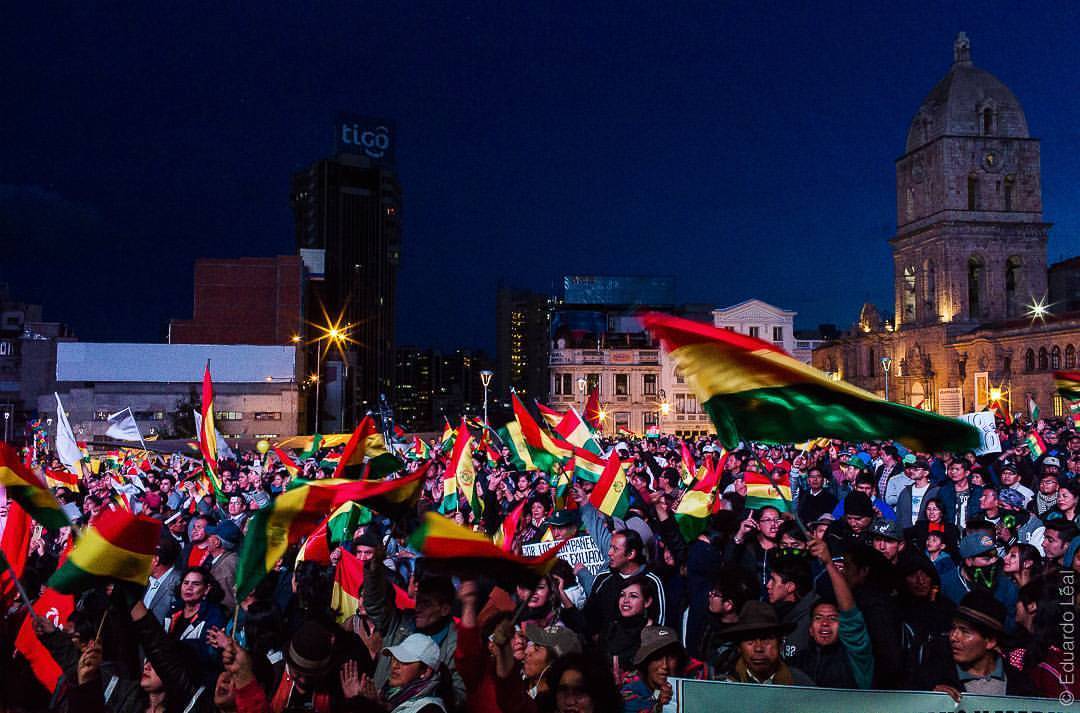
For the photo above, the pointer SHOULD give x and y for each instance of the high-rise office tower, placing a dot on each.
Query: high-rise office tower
(348, 218)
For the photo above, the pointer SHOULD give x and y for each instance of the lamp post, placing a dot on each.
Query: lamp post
(485, 379)
(886, 364)
(7, 423)
(581, 384)
(333, 336)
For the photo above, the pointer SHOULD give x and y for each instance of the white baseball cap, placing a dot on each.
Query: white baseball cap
(416, 647)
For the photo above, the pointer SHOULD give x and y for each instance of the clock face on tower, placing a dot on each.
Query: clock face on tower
(991, 161)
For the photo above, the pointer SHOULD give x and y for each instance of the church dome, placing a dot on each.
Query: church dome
(968, 101)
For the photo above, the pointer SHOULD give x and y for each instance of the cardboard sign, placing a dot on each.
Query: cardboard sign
(579, 549)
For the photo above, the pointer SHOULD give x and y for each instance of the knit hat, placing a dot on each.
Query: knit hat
(310, 649)
(858, 504)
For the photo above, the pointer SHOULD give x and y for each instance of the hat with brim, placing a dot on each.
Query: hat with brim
(981, 620)
(757, 619)
(653, 640)
(563, 518)
(416, 648)
(557, 638)
(310, 650)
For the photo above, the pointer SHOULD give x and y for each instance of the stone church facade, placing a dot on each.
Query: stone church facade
(969, 260)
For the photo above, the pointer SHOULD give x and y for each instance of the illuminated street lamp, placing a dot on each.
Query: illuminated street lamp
(485, 379)
(886, 364)
(333, 334)
(581, 384)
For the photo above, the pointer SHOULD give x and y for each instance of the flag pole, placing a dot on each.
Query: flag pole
(19, 586)
(141, 441)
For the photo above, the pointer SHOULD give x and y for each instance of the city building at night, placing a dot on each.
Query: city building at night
(973, 319)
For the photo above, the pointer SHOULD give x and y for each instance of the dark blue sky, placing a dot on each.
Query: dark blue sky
(747, 149)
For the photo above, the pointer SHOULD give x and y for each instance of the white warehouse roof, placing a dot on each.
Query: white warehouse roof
(156, 363)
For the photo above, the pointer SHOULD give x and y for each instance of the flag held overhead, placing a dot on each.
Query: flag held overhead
(754, 390)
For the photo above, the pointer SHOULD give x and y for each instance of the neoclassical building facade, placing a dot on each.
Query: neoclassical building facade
(969, 256)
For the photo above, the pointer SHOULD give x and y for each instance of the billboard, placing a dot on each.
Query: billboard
(619, 290)
(366, 136)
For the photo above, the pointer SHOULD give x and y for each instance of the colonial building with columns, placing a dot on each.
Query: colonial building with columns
(969, 256)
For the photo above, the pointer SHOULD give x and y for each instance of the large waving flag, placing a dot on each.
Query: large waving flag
(754, 390)
(297, 512)
(1068, 384)
(23, 487)
(460, 477)
(286, 461)
(551, 416)
(117, 545)
(366, 451)
(522, 457)
(57, 608)
(768, 489)
(450, 548)
(504, 538)
(122, 426)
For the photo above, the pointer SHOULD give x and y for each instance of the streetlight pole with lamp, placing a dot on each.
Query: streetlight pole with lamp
(582, 383)
(332, 334)
(886, 364)
(485, 379)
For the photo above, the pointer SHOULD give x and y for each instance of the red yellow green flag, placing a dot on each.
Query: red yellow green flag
(1036, 444)
(504, 538)
(536, 437)
(460, 477)
(366, 450)
(24, 488)
(1068, 384)
(297, 512)
(338, 527)
(116, 545)
(753, 390)
(208, 444)
(764, 489)
(349, 580)
(610, 495)
(452, 549)
(290, 465)
(551, 416)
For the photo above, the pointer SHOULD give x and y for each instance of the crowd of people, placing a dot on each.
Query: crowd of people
(886, 570)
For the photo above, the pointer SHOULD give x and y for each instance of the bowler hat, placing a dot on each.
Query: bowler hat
(756, 619)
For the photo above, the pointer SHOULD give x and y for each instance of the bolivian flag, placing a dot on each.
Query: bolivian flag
(754, 390)
(297, 512)
(349, 580)
(1074, 412)
(610, 495)
(460, 477)
(24, 488)
(1068, 384)
(208, 444)
(420, 449)
(692, 513)
(1037, 445)
(117, 545)
(504, 538)
(587, 465)
(449, 548)
(764, 489)
(446, 440)
(366, 449)
(551, 416)
(289, 464)
(522, 457)
(337, 528)
(535, 437)
(576, 432)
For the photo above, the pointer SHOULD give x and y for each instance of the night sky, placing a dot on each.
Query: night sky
(747, 149)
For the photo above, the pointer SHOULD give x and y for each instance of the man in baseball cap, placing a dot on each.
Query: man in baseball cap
(980, 569)
(414, 664)
(887, 538)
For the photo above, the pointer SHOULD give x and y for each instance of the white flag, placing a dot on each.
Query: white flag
(66, 447)
(122, 426)
(224, 452)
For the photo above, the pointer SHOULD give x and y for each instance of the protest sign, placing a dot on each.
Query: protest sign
(984, 421)
(578, 550)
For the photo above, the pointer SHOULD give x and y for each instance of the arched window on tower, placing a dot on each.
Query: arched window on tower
(1010, 185)
(909, 294)
(930, 310)
(1013, 276)
(1029, 360)
(987, 121)
(1055, 357)
(870, 362)
(1070, 357)
(1044, 360)
(975, 287)
(972, 192)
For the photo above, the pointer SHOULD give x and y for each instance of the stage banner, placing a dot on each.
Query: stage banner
(705, 696)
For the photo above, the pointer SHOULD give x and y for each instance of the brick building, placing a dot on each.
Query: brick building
(969, 262)
(248, 300)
